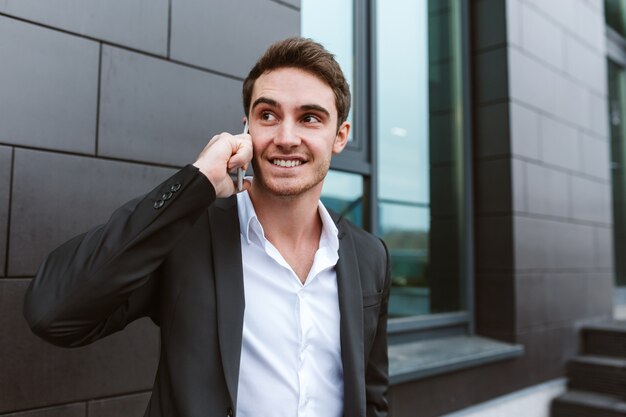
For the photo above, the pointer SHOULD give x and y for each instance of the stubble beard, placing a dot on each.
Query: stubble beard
(289, 188)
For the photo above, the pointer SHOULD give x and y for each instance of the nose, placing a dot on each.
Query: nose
(287, 135)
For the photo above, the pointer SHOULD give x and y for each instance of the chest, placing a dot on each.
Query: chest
(291, 335)
(280, 307)
(300, 259)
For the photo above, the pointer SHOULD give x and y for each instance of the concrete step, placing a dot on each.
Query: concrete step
(605, 339)
(600, 374)
(587, 404)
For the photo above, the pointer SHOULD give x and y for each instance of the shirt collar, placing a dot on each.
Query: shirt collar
(249, 224)
(247, 217)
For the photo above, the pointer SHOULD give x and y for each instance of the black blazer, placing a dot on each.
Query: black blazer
(180, 263)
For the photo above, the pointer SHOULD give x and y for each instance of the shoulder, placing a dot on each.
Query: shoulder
(361, 237)
(368, 247)
(371, 254)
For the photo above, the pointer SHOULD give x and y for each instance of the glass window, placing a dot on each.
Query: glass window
(617, 116)
(343, 193)
(331, 23)
(405, 229)
(615, 13)
(420, 153)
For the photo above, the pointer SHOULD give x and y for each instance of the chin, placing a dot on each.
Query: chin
(288, 191)
(287, 188)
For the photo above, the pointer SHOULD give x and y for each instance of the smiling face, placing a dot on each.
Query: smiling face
(293, 124)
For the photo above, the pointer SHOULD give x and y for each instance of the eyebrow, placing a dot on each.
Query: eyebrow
(274, 103)
(315, 107)
(265, 100)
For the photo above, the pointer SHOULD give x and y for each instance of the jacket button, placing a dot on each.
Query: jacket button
(167, 195)
(175, 188)
(229, 412)
(158, 204)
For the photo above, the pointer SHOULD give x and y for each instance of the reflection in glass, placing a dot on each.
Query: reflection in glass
(617, 116)
(420, 153)
(402, 65)
(343, 193)
(405, 229)
(615, 13)
(331, 23)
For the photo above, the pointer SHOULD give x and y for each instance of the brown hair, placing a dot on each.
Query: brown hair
(309, 56)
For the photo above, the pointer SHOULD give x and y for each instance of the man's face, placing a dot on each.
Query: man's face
(293, 124)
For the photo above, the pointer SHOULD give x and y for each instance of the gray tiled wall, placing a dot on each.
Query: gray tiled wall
(558, 75)
(153, 110)
(42, 215)
(233, 38)
(51, 79)
(128, 23)
(545, 139)
(100, 102)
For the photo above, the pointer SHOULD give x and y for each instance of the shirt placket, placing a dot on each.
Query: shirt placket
(306, 330)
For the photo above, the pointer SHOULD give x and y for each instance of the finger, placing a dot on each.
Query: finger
(241, 157)
(244, 137)
(237, 162)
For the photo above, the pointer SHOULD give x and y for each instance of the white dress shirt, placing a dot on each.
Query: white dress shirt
(291, 354)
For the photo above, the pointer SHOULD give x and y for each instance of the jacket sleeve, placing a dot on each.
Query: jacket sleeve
(377, 367)
(98, 282)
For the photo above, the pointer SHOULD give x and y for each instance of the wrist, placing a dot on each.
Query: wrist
(215, 178)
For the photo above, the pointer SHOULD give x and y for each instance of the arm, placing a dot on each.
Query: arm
(377, 369)
(98, 282)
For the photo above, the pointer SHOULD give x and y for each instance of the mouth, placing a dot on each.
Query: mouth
(287, 163)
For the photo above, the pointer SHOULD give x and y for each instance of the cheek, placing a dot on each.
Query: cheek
(259, 144)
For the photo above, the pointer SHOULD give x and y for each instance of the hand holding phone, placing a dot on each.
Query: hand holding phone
(226, 153)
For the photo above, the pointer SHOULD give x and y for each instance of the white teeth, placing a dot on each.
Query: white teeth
(286, 163)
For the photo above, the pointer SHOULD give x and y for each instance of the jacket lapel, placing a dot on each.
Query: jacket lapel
(225, 241)
(351, 325)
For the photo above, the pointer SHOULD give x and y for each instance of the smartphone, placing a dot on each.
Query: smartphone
(240, 170)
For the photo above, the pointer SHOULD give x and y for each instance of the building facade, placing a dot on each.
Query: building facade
(486, 150)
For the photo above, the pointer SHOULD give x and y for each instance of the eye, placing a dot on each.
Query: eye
(310, 118)
(267, 116)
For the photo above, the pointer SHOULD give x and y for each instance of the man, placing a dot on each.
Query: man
(311, 339)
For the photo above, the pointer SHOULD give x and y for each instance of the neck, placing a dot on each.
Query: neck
(288, 220)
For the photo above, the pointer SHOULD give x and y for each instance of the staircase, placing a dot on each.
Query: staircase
(596, 378)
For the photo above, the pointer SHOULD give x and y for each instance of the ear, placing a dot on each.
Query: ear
(341, 140)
